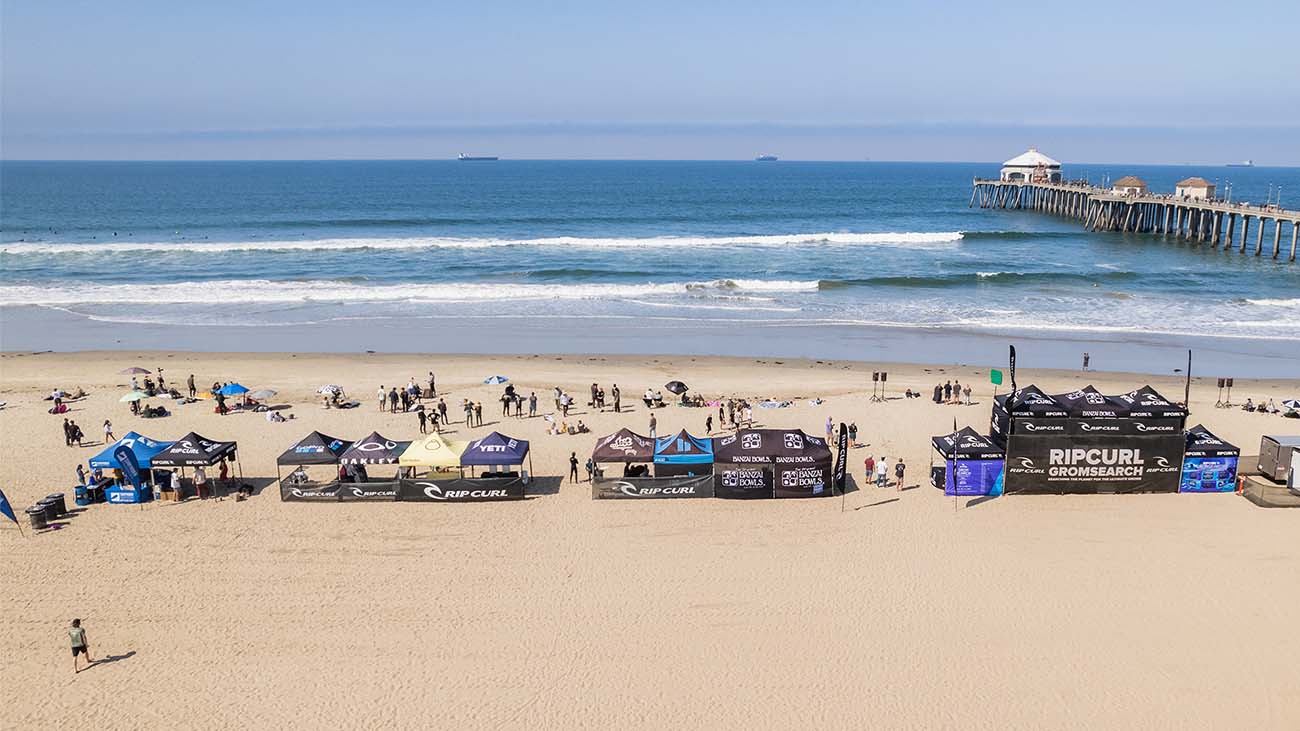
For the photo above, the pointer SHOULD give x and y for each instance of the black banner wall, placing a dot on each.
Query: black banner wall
(803, 480)
(1091, 463)
(368, 491)
(328, 492)
(743, 481)
(1121, 426)
(631, 488)
(462, 490)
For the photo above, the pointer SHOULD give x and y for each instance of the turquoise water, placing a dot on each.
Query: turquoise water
(758, 245)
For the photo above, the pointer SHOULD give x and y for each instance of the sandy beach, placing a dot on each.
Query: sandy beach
(886, 609)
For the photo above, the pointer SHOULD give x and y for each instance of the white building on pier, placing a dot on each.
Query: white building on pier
(1031, 166)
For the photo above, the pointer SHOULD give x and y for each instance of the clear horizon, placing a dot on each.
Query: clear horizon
(582, 80)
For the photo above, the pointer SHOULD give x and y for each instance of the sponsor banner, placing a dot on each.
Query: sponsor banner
(1093, 463)
(629, 488)
(385, 491)
(319, 492)
(842, 459)
(1121, 426)
(1025, 425)
(462, 490)
(971, 476)
(803, 481)
(742, 481)
(1209, 474)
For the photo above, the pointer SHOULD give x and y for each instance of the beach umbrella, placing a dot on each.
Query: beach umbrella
(232, 389)
(329, 388)
(133, 396)
(136, 371)
(677, 387)
(265, 393)
(1292, 404)
(495, 379)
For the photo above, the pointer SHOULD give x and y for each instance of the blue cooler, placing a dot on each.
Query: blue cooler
(81, 495)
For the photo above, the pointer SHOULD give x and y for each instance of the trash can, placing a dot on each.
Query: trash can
(81, 495)
(58, 499)
(51, 509)
(36, 515)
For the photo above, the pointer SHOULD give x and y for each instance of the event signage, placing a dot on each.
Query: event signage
(368, 491)
(1209, 474)
(325, 492)
(803, 481)
(741, 482)
(968, 477)
(1092, 463)
(630, 488)
(842, 459)
(461, 490)
(1134, 427)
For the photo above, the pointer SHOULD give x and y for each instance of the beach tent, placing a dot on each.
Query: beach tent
(972, 463)
(193, 450)
(625, 446)
(771, 463)
(1033, 409)
(232, 389)
(1209, 463)
(141, 446)
(315, 448)
(495, 449)
(1147, 403)
(682, 448)
(1086, 401)
(433, 451)
(373, 449)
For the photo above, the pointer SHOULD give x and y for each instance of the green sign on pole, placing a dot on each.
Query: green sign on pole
(995, 377)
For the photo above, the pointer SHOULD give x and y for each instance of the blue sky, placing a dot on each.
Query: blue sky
(1106, 81)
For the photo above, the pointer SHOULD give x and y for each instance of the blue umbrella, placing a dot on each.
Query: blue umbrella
(495, 379)
(232, 389)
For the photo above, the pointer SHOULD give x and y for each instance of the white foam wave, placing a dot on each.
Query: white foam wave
(906, 238)
(1275, 302)
(265, 291)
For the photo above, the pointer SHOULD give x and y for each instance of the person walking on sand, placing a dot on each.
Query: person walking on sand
(80, 645)
(189, 383)
(573, 466)
(383, 397)
(67, 432)
(900, 470)
(108, 432)
(442, 410)
(653, 423)
(708, 424)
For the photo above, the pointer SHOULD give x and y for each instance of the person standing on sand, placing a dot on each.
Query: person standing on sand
(882, 472)
(392, 399)
(478, 412)
(424, 421)
(853, 435)
(618, 407)
(67, 432)
(80, 646)
(573, 466)
(108, 432)
(830, 428)
(653, 423)
(532, 404)
(81, 474)
(383, 397)
(900, 470)
(938, 393)
(966, 393)
(432, 390)
(442, 410)
(708, 424)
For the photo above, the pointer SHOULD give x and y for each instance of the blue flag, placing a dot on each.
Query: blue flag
(6, 509)
(130, 467)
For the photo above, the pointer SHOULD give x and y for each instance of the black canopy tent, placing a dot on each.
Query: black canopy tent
(314, 449)
(624, 446)
(1031, 408)
(971, 465)
(683, 467)
(761, 463)
(196, 450)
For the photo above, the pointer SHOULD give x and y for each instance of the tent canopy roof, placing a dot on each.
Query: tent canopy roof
(434, 450)
(143, 447)
(374, 449)
(494, 449)
(1201, 442)
(967, 443)
(623, 445)
(315, 448)
(193, 450)
(682, 448)
(1031, 158)
(770, 446)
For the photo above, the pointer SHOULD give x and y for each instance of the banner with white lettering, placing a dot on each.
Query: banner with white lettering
(812, 480)
(1093, 463)
(462, 490)
(630, 488)
(742, 481)
(842, 459)
(385, 491)
(310, 492)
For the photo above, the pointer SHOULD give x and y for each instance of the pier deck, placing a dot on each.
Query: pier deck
(1212, 222)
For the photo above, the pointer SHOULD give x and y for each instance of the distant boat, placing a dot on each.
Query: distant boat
(766, 158)
(473, 158)
(1242, 164)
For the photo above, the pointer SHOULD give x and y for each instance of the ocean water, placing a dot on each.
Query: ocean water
(585, 248)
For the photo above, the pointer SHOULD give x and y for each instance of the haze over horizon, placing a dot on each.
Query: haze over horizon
(583, 80)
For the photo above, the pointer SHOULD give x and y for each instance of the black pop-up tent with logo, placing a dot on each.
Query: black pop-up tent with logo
(373, 449)
(762, 463)
(1029, 409)
(971, 465)
(195, 450)
(496, 450)
(682, 463)
(1209, 463)
(313, 449)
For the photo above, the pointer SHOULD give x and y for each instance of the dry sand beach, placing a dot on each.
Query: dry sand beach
(901, 610)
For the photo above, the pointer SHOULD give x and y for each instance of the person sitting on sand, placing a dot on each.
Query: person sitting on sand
(1270, 407)
(1249, 405)
(582, 428)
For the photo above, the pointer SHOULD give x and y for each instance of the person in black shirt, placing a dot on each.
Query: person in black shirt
(573, 466)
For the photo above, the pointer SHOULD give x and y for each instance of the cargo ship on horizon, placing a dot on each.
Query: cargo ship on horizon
(766, 158)
(473, 158)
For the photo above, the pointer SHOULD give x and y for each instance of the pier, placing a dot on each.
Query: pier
(1199, 220)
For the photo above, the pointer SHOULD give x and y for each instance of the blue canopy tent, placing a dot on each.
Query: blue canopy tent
(141, 446)
(496, 450)
(683, 454)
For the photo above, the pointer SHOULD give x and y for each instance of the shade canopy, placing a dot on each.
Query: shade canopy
(141, 446)
(1146, 402)
(133, 396)
(232, 389)
(1087, 401)
(623, 445)
(677, 387)
(1201, 442)
(374, 449)
(493, 380)
(315, 448)
(135, 371)
(967, 443)
(494, 449)
(771, 446)
(1031, 401)
(682, 448)
(193, 450)
(434, 451)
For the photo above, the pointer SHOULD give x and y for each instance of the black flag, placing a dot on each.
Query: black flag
(1187, 386)
(1013, 369)
(842, 459)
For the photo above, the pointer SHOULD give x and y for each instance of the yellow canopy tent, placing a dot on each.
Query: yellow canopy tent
(434, 451)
